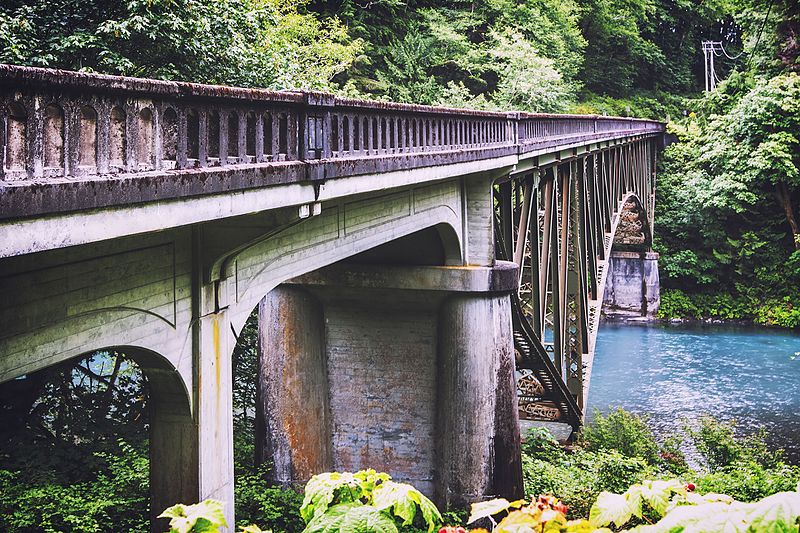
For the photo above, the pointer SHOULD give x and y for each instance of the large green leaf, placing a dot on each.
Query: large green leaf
(518, 522)
(397, 497)
(486, 509)
(367, 519)
(716, 517)
(657, 493)
(320, 491)
(352, 517)
(584, 526)
(616, 508)
(403, 500)
(778, 513)
(430, 513)
(331, 520)
(204, 517)
(714, 513)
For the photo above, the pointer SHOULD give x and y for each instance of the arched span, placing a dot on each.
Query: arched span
(630, 230)
(172, 432)
(321, 241)
(167, 386)
(633, 231)
(90, 332)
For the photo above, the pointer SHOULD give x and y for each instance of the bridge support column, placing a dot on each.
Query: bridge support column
(214, 404)
(173, 446)
(292, 419)
(632, 284)
(191, 451)
(478, 424)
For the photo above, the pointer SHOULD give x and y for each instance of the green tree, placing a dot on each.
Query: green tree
(756, 147)
(265, 43)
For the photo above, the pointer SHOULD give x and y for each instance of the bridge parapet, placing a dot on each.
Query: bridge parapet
(152, 139)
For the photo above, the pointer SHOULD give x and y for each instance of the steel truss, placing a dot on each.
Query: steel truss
(557, 222)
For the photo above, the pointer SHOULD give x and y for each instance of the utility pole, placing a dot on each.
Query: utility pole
(710, 50)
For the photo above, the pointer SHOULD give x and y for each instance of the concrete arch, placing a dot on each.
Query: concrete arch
(172, 431)
(632, 230)
(92, 331)
(256, 270)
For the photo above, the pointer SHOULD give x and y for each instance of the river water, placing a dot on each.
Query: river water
(676, 373)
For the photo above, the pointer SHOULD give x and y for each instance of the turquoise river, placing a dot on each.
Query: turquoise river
(677, 373)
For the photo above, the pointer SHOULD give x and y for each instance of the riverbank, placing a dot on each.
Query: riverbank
(620, 317)
(676, 373)
(634, 319)
(776, 311)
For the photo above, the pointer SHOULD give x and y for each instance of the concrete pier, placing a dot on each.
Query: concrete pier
(360, 370)
(632, 284)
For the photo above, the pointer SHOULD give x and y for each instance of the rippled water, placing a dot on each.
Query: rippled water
(678, 372)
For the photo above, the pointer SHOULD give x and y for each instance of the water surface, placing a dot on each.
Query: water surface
(675, 373)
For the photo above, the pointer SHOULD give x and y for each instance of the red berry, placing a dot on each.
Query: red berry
(690, 487)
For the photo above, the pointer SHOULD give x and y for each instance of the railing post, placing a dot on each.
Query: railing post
(513, 123)
(202, 142)
(35, 133)
(314, 137)
(181, 150)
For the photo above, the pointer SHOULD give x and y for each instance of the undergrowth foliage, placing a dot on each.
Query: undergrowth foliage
(364, 501)
(616, 477)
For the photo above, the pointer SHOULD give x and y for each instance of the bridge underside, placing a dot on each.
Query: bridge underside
(400, 258)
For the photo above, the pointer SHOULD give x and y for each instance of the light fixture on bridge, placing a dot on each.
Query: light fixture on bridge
(310, 210)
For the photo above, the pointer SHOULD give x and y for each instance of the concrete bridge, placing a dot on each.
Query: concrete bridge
(403, 259)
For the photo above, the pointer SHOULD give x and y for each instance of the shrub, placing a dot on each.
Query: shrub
(719, 447)
(540, 444)
(750, 481)
(116, 500)
(624, 432)
(657, 506)
(364, 501)
(569, 479)
(274, 507)
(578, 477)
(618, 450)
(615, 472)
(783, 313)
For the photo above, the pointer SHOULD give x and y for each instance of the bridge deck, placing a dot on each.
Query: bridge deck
(81, 141)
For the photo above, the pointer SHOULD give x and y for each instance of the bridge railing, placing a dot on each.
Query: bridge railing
(59, 124)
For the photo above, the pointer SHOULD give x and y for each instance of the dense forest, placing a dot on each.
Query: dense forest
(727, 222)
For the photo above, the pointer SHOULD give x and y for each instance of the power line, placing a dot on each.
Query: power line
(734, 58)
(712, 49)
(760, 31)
